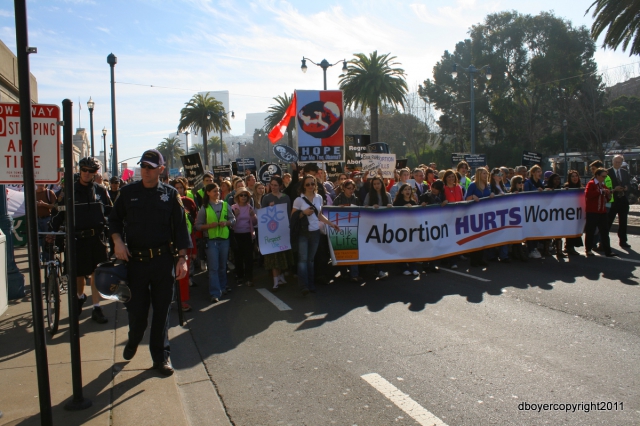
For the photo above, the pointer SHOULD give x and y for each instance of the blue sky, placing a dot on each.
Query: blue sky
(253, 49)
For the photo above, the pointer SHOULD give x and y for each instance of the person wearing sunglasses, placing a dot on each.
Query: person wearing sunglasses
(92, 204)
(309, 204)
(152, 217)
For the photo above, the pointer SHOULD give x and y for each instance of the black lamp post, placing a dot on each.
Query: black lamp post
(90, 106)
(114, 165)
(220, 115)
(104, 143)
(566, 165)
(471, 70)
(112, 61)
(203, 127)
(186, 141)
(324, 65)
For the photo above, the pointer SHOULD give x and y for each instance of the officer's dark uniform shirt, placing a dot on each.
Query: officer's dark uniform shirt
(143, 217)
(92, 205)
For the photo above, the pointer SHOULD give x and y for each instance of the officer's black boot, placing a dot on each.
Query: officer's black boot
(98, 316)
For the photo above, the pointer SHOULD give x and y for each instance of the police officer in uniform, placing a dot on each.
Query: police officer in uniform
(92, 204)
(147, 217)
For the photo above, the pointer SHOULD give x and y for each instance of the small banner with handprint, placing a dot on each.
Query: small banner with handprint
(273, 229)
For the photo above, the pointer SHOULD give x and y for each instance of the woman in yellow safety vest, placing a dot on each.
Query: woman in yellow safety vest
(214, 220)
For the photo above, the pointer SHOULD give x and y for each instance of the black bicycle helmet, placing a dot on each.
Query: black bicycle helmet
(111, 281)
(89, 163)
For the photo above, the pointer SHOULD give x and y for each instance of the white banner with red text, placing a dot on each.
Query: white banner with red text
(409, 234)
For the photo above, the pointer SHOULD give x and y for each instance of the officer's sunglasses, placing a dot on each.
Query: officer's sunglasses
(85, 170)
(147, 166)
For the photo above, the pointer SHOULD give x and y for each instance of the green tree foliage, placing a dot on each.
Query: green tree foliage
(202, 113)
(621, 20)
(539, 66)
(372, 81)
(276, 112)
(171, 150)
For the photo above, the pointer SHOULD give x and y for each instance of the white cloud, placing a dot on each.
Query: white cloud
(6, 13)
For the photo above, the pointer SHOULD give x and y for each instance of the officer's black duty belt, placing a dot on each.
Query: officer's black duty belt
(144, 255)
(88, 233)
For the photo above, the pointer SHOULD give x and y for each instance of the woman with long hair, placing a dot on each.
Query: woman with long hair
(596, 196)
(309, 204)
(377, 195)
(258, 193)
(225, 189)
(517, 185)
(496, 182)
(570, 244)
(405, 198)
(280, 261)
(478, 189)
(215, 219)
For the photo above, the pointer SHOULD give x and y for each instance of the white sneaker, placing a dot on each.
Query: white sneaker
(454, 266)
(535, 254)
(416, 273)
(382, 275)
(407, 272)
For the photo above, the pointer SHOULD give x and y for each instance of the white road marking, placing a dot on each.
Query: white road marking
(614, 258)
(213, 305)
(466, 275)
(273, 299)
(403, 401)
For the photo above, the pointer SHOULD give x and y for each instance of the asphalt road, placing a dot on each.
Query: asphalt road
(465, 349)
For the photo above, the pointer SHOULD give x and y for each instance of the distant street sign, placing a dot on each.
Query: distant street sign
(46, 143)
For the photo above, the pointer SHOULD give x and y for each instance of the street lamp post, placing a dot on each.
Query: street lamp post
(112, 61)
(471, 70)
(566, 165)
(324, 65)
(90, 106)
(114, 165)
(220, 115)
(104, 143)
(186, 141)
(204, 141)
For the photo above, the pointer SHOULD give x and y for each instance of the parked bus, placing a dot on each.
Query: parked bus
(578, 161)
(631, 157)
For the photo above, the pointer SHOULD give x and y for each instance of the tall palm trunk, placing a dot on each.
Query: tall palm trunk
(374, 123)
(290, 135)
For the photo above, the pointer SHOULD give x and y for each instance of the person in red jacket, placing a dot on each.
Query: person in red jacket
(597, 195)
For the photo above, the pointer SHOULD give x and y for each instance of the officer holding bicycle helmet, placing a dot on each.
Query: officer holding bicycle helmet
(92, 203)
(149, 215)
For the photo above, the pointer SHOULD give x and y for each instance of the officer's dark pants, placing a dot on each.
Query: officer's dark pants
(151, 283)
(620, 207)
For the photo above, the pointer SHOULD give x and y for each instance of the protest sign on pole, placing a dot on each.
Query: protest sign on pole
(355, 146)
(334, 169)
(193, 169)
(530, 158)
(411, 234)
(372, 163)
(473, 160)
(320, 125)
(46, 143)
(273, 229)
(268, 170)
(224, 170)
(244, 164)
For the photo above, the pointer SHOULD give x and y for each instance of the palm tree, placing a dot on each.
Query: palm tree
(622, 17)
(170, 149)
(213, 146)
(202, 112)
(370, 82)
(276, 112)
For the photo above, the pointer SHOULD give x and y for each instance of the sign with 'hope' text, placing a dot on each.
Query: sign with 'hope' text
(46, 143)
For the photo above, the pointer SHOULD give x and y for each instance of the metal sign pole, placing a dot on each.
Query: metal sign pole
(42, 367)
(78, 402)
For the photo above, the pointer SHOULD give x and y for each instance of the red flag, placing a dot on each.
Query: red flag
(279, 130)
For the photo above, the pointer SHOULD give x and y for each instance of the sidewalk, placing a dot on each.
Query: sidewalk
(123, 393)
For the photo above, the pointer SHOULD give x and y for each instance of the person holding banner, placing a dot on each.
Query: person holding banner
(347, 198)
(377, 195)
(215, 219)
(597, 195)
(463, 169)
(283, 260)
(478, 189)
(452, 191)
(309, 204)
(405, 198)
(500, 253)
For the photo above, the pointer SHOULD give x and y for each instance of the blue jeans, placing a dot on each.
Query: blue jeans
(43, 226)
(502, 252)
(307, 247)
(217, 255)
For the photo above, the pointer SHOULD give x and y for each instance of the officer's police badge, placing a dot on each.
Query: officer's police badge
(164, 197)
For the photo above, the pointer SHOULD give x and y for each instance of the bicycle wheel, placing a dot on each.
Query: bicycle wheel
(53, 300)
